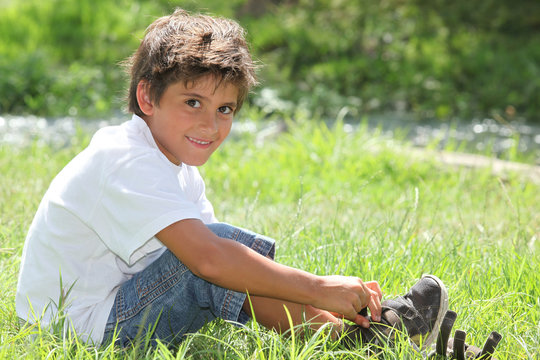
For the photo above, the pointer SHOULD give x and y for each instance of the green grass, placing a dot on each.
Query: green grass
(338, 203)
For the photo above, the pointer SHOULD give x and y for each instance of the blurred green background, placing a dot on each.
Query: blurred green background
(431, 58)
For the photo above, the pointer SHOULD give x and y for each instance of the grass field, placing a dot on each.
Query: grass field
(338, 202)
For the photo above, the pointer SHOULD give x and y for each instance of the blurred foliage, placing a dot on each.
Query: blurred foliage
(434, 58)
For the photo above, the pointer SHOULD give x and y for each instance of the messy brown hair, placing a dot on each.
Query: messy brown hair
(184, 47)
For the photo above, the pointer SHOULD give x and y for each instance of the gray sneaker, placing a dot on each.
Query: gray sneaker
(419, 312)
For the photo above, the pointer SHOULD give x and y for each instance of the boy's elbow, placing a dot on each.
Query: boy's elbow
(207, 271)
(209, 267)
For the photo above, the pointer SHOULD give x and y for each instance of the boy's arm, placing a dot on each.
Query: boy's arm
(234, 266)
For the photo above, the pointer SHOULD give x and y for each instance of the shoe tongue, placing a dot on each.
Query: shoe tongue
(404, 312)
(391, 318)
(402, 307)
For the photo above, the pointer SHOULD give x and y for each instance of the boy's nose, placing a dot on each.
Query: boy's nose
(209, 123)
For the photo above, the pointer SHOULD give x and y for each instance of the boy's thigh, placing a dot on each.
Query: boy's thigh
(167, 300)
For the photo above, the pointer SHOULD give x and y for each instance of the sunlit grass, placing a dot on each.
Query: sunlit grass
(338, 202)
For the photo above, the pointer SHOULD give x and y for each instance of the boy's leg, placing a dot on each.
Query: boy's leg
(166, 300)
(271, 314)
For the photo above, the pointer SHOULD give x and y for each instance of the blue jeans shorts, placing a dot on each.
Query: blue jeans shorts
(166, 300)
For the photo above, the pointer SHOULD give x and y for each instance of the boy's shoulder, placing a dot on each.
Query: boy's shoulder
(130, 133)
(120, 157)
(122, 143)
(114, 150)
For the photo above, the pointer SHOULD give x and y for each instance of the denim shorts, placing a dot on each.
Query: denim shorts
(166, 300)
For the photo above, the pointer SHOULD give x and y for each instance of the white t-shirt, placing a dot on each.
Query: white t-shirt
(95, 226)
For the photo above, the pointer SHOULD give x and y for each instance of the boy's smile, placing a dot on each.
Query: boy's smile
(191, 120)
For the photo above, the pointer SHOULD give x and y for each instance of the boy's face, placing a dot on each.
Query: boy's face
(190, 121)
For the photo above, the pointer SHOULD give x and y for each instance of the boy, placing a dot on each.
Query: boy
(126, 241)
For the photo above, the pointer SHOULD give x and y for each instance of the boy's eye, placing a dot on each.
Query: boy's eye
(225, 110)
(193, 103)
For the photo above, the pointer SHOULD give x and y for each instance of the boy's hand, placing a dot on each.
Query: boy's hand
(349, 295)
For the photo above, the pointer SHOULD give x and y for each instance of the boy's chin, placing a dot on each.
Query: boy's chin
(195, 162)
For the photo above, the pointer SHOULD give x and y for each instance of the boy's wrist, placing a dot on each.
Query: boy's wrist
(314, 283)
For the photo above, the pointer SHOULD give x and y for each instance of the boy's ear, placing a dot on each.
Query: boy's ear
(146, 106)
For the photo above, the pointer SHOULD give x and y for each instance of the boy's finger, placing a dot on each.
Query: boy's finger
(374, 285)
(360, 320)
(366, 296)
(375, 307)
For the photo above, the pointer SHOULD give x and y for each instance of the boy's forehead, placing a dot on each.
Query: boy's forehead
(209, 83)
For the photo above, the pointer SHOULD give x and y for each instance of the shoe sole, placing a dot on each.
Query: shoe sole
(443, 308)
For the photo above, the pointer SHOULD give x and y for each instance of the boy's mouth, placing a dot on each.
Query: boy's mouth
(197, 141)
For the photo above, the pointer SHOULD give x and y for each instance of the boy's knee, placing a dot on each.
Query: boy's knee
(224, 230)
(257, 242)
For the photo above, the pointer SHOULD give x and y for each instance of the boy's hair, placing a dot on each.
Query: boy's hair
(184, 47)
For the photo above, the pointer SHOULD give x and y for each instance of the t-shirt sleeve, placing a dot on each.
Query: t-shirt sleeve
(205, 206)
(137, 200)
(206, 210)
